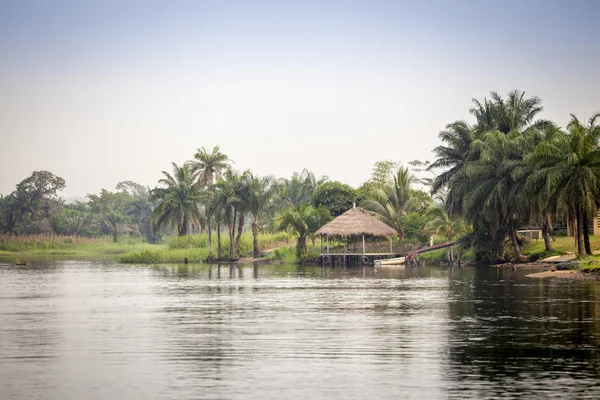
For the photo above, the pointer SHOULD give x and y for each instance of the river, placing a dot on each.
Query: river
(99, 330)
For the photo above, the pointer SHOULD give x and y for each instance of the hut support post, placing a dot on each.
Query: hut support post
(327, 243)
(391, 246)
(363, 243)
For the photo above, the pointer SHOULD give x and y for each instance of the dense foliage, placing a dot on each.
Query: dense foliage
(506, 171)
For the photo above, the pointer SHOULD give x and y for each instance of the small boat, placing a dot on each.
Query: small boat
(20, 262)
(391, 261)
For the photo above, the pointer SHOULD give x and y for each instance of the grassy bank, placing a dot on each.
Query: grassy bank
(195, 248)
(35, 245)
(562, 245)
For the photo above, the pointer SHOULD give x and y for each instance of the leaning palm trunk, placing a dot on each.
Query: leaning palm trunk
(579, 235)
(546, 227)
(255, 237)
(513, 236)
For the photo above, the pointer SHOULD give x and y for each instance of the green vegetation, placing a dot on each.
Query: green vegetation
(506, 171)
(57, 244)
(195, 248)
(511, 170)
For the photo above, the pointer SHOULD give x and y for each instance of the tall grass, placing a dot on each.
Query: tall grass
(60, 244)
(195, 248)
(265, 242)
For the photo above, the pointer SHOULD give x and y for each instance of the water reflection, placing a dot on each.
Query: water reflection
(74, 330)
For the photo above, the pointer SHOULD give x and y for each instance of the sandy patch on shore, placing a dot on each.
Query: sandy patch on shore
(569, 273)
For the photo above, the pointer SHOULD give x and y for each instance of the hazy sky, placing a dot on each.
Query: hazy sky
(100, 92)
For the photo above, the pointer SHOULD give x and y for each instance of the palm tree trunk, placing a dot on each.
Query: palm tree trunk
(546, 226)
(301, 248)
(210, 245)
(255, 237)
(586, 233)
(579, 235)
(219, 249)
(231, 225)
(513, 236)
(183, 228)
(115, 234)
(239, 232)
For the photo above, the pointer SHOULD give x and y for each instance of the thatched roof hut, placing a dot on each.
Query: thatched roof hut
(356, 222)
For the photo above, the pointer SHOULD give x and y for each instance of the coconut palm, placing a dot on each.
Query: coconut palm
(441, 224)
(457, 137)
(209, 166)
(231, 195)
(569, 163)
(393, 202)
(494, 181)
(303, 221)
(260, 192)
(298, 190)
(177, 201)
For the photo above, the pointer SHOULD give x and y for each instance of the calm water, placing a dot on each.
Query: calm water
(98, 330)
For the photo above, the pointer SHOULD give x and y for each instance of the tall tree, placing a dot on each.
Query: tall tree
(303, 221)
(111, 207)
(569, 164)
(177, 201)
(392, 202)
(209, 165)
(337, 197)
(260, 193)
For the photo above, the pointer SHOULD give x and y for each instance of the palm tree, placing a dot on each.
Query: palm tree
(569, 163)
(493, 183)
(231, 196)
(458, 137)
(209, 167)
(298, 190)
(177, 202)
(260, 192)
(441, 224)
(303, 221)
(392, 203)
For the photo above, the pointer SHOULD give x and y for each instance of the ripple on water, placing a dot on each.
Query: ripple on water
(79, 329)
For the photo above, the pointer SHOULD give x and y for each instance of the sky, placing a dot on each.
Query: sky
(99, 92)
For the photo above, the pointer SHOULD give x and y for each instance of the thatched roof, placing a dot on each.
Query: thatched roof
(356, 222)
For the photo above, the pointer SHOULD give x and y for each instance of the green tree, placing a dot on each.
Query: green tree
(111, 207)
(34, 202)
(177, 201)
(393, 202)
(231, 195)
(383, 172)
(209, 165)
(139, 209)
(335, 196)
(569, 164)
(260, 193)
(303, 221)
(298, 190)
